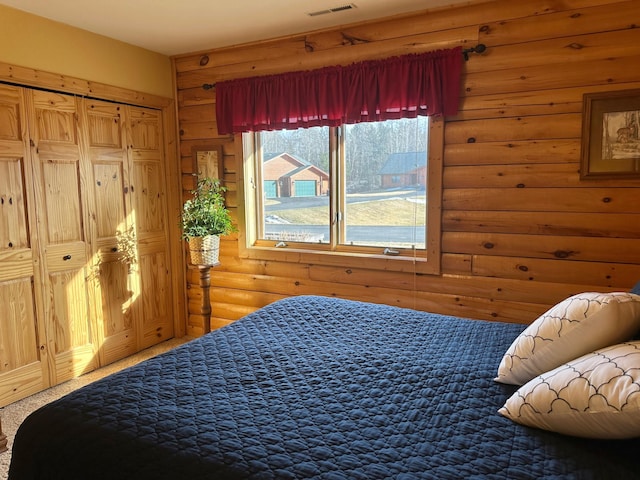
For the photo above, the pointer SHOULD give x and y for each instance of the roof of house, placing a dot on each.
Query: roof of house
(303, 164)
(403, 162)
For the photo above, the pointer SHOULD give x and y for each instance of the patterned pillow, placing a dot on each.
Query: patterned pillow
(594, 396)
(575, 326)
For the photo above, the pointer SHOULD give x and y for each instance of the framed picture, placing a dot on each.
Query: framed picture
(207, 160)
(611, 135)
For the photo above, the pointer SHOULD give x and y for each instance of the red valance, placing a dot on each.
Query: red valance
(398, 87)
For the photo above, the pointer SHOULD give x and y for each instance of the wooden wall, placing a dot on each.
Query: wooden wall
(521, 231)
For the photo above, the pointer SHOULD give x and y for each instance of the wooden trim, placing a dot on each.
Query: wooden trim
(3, 439)
(62, 83)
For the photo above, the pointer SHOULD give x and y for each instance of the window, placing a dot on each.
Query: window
(360, 190)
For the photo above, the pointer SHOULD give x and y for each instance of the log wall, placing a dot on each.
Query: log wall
(520, 230)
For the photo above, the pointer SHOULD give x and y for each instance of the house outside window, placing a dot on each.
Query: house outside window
(363, 190)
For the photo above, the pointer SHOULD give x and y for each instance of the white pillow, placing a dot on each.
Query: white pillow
(594, 396)
(578, 325)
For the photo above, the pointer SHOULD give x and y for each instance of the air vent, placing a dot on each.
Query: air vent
(341, 8)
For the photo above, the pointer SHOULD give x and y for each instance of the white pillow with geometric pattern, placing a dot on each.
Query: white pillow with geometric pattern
(594, 396)
(580, 324)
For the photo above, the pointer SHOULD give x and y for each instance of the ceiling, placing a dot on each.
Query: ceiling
(172, 27)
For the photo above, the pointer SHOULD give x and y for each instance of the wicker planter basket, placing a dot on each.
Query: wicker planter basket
(204, 250)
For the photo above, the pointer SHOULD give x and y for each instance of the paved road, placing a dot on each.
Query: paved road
(358, 234)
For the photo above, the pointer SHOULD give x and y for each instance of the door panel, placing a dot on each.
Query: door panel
(130, 220)
(153, 312)
(59, 176)
(103, 125)
(22, 362)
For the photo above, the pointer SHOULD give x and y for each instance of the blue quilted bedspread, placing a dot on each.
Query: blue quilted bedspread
(311, 388)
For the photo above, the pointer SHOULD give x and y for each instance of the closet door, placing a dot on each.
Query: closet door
(130, 241)
(22, 361)
(114, 258)
(153, 311)
(60, 178)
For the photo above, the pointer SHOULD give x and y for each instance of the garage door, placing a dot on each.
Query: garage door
(270, 189)
(305, 188)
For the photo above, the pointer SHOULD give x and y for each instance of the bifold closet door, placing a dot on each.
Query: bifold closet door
(23, 369)
(112, 229)
(149, 210)
(60, 178)
(128, 214)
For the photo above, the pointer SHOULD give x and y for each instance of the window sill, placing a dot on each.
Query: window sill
(395, 263)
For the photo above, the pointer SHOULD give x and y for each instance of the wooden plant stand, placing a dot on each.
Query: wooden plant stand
(205, 284)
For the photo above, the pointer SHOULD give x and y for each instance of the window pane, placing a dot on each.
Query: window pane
(386, 178)
(295, 176)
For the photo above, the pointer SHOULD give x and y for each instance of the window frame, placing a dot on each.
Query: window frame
(331, 254)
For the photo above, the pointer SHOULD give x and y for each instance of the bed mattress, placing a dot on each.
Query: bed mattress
(314, 388)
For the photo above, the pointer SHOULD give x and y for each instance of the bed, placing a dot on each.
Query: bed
(315, 388)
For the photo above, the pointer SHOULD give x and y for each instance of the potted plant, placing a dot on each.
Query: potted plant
(204, 218)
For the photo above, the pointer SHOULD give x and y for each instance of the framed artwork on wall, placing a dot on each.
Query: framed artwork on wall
(611, 135)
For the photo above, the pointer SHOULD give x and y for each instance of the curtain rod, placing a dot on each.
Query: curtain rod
(481, 47)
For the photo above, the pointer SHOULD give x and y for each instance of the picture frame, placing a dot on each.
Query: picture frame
(207, 160)
(610, 135)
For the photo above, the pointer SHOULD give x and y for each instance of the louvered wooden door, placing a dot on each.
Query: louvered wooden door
(60, 177)
(23, 368)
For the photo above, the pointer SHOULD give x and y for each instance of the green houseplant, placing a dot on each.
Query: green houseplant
(204, 218)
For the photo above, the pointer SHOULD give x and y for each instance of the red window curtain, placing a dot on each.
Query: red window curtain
(397, 87)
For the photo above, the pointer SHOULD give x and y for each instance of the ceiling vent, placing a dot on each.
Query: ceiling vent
(341, 8)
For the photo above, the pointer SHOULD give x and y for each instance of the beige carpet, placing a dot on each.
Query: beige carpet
(12, 415)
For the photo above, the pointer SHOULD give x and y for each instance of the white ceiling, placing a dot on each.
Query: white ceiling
(172, 27)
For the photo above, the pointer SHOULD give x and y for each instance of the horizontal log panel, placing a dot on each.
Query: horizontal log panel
(441, 19)
(542, 100)
(516, 176)
(233, 264)
(374, 31)
(226, 310)
(512, 152)
(194, 324)
(589, 249)
(489, 289)
(588, 200)
(513, 129)
(364, 277)
(455, 264)
(437, 303)
(544, 223)
(466, 286)
(204, 130)
(550, 108)
(341, 56)
(244, 297)
(558, 51)
(197, 113)
(196, 96)
(594, 276)
(294, 45)
(581, 21)
(593, 74)
(538, 102)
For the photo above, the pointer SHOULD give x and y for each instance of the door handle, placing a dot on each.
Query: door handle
(66, 257)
